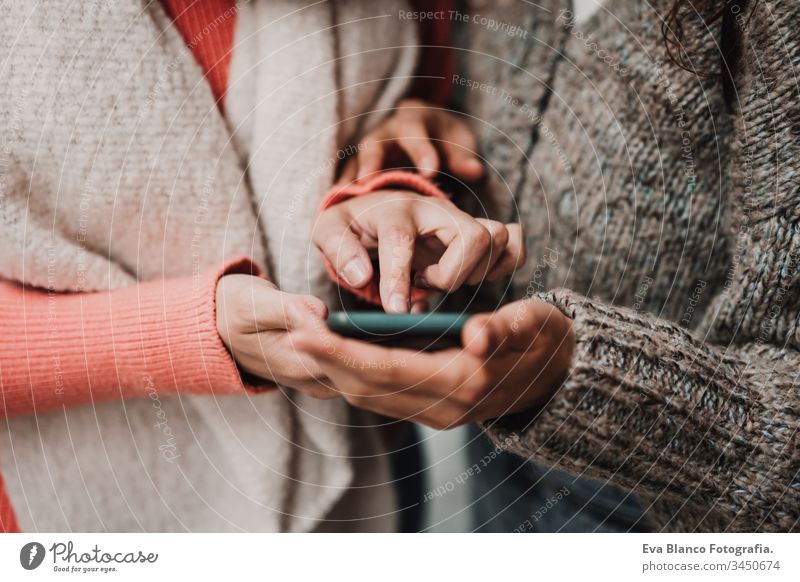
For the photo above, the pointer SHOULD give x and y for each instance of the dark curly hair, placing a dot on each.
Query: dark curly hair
(725, 17)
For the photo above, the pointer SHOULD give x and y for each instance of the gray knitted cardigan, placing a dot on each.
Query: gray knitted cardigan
(667, 226)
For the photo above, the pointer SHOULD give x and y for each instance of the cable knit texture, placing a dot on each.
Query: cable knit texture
(667, 225)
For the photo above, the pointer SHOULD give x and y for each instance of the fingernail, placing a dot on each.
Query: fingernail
(398, 303)
(421, 282)
(354, 272)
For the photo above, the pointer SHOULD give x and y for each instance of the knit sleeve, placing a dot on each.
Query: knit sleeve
(705, 436)
(71, 349)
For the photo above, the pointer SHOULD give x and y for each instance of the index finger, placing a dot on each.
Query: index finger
(395, 255)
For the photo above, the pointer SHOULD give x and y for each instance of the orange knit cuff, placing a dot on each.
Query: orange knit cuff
(74, 349)
(388, 179)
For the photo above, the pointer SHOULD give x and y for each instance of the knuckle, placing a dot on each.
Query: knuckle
(389, 376)
(447, 280)
(343, 249)
(241, 296)
(442, 209)
(477, 236)
(313, 304)
(500, 234)
(476, 278)
(356, 395)
(473, 389)
(453, 279)
(444, 204)
(398, 234)
(472, 394)
(402, 201)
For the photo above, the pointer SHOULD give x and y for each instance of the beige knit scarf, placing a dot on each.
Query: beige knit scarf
(119, 197)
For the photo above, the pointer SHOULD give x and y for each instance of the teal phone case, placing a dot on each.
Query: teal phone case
(387, 327)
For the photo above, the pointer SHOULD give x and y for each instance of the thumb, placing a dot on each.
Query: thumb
(303, 311)
(514, 327)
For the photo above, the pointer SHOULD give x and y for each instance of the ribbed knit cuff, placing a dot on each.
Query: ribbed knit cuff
(388, 179)
(154, 338)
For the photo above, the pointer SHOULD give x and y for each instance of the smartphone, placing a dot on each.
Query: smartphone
(418, 330)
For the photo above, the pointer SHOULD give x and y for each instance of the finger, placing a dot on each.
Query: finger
(262, 302)
(476, 337)
(396, 382)
(303, 310)
(395, 255)
(370, 158)
(345, 354)
(414, 140)
(414, 369)
(420, 307)
(513, 257)
(343, 365)
(289, 367)
(282, 311)
(499, 236)
(467, 242)
(342, 248)
(318, 390)
(485, 334)
(268, 354)
(458, 144)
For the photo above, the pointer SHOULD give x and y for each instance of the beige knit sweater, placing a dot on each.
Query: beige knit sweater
(668, 228)
(118, 167)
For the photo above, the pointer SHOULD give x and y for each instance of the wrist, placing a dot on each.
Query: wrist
(560, 337)
(221, 312)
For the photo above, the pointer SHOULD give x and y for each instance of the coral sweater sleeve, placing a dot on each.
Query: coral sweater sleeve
(208, 27)
(72, 349)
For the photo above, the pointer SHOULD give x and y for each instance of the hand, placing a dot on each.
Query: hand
(513, 359)
(443, 245)
(254, 319)
(422, 133)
